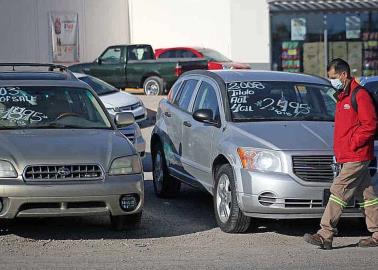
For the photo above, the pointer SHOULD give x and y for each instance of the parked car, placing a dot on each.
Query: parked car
(259, 142)
(370, 83)
(61, 153)
(117, 101)
(215, 59)
(135, 66)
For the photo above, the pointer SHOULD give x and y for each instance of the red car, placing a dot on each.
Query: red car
(215, 59)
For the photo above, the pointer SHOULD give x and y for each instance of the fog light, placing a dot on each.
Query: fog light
(1, 205)
(129, 202)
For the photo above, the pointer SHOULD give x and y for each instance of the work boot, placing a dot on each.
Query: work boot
(318, 240)
(368, 242)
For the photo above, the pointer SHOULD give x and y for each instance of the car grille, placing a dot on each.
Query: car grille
(130, 107)
(313, 168)
(130, 136)
(58, 173)
(303, 203)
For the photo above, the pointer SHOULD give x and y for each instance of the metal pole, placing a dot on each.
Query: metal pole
(325, 46)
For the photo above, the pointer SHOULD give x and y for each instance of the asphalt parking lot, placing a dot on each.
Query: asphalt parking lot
(178, 233)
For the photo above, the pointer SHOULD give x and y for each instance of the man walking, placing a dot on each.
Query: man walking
(354, 149)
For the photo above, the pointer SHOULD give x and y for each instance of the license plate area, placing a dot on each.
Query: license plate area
(327, 193)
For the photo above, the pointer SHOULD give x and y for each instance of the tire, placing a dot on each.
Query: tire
(227, 212)
(153, 86)
(126, 222)
(165, 186)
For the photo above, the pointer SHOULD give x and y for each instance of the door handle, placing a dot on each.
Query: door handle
(187, 124)
(168, 114)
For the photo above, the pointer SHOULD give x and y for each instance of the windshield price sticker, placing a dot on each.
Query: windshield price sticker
(239, 92)
(15, 94)
(15, 114)
(284, 106)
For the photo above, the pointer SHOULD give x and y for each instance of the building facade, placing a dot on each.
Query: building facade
(25, 27)
(287, 35)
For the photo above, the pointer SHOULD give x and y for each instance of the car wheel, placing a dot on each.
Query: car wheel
(126, 222)
(227, 212)
(165, 186)
(153, 86)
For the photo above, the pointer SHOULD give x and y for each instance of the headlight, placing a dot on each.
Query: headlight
(114, 110)
(260, 160)
(7, 170)
(125, 165)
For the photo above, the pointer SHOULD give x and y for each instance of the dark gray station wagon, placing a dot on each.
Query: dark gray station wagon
(61, 154)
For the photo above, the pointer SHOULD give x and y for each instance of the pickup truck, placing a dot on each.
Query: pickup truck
(135, 66)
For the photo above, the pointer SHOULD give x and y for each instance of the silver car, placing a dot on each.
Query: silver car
(61, 154)
(260, 142)
(116, 101)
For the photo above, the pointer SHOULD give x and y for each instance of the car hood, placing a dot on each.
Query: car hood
(118, 99)
(62, 146)
(292, 136)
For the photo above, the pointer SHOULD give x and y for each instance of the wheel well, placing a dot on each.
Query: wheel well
(155, 140)
(219, 161)
(145, 76)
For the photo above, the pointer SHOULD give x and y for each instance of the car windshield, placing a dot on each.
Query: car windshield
(50, 107)
(280, 101)
(212, 55)
(100, 87)
(372, 86)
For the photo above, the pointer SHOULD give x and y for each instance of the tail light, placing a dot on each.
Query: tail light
(178, 70)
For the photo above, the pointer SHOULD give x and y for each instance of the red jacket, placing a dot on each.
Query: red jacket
(354, 131)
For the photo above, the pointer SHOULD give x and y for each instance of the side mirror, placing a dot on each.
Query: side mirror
(205, 116)
(99, 61)
(124, 119)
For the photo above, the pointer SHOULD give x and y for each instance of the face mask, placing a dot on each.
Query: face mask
(337, 84)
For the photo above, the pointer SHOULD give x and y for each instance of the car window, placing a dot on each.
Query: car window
(167, 54)
(275, 101)
(139, 53)
(185, 54)
(172, 93)
(183, 98)
(112, 55)
(207, 99)
(99, 86)
(50, 107)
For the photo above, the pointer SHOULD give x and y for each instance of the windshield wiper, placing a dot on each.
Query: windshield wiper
(55, 125)
(315, 118)
(261, 118)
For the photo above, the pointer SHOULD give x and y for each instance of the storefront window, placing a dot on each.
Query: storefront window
(298, 41)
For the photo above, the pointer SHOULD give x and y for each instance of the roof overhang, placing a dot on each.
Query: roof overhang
(321, 5)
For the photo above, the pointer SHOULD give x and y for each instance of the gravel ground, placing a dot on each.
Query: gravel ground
(179, 233)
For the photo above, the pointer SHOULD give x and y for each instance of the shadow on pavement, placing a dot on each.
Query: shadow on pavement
(150, 121)
(349, 227)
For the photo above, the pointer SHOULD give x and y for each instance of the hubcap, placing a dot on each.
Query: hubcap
(224, 197)
(152, 88)
(158, 171)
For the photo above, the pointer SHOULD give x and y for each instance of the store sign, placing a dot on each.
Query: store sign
(298, 29)
(353, 27)
(65, 37)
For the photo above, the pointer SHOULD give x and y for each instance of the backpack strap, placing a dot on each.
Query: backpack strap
(354, 99)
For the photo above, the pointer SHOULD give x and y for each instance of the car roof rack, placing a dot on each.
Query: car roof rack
(51, 67)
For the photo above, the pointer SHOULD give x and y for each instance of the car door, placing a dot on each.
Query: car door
(111, 66)
(199, 138)
(175, 116)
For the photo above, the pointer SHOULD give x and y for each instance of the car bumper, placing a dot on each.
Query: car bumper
(51, 200)
(279, 196)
